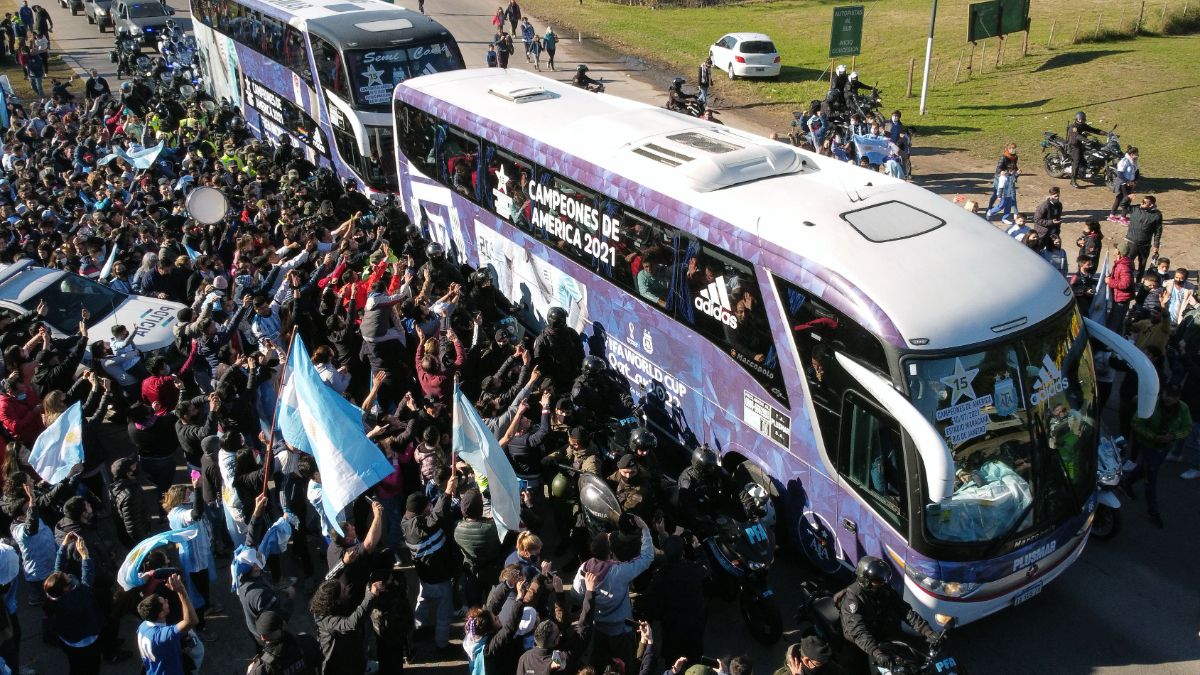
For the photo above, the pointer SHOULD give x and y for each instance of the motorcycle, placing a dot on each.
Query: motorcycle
(689, 106)
(126, 55)
(1099, 159)
(819, 615)
(1106, 522)
(740, 554)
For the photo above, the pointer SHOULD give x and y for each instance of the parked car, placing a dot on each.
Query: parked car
(746, 55)
(141, 19)
(97, 12)
(23, 286)
(73, 5)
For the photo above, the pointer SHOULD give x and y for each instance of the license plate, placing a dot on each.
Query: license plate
(1027, 593)
(758, 70)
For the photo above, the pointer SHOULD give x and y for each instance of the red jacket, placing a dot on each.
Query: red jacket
(441, 383)
(1120, 280)
(22, 419)
(160, 392)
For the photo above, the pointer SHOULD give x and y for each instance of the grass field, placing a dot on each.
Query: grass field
(1147, 85)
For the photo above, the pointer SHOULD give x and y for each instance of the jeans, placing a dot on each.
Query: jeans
(35, 81)
(83, 660)
(160, 471)
(438, 600)
(702, 96)
(1151, 461)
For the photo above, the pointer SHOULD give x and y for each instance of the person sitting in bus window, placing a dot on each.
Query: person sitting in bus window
(653, 280)
(520, 209)
(751, 336)
(461, 180)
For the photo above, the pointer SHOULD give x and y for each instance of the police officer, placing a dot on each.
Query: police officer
(634, 487)
(485, 299)
(558, 350)
(414, 245)
(352, 201)
(601, 390)
(436, 275)
(705, 490)
(1077, 132)
(872, 612)
(677, 100)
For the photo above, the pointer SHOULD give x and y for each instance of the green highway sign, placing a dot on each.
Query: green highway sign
(845, 39)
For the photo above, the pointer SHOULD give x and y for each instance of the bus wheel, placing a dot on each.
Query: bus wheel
(818, 542)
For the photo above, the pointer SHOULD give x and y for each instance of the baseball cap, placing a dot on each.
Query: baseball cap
(813, 647)
(269, 625)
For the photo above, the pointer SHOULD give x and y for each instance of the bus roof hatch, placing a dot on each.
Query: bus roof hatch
(710, 160)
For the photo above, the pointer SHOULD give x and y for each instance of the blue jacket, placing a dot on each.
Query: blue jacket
(612, 593)
(74, 615)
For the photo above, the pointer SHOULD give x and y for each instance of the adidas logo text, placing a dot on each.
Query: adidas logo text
(714, 301)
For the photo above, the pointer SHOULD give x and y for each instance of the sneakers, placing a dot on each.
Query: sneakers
(1123, 220)
(1190, 474)
(1113, 218)
(1173, 457)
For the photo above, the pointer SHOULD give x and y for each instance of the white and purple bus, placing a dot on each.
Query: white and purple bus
(321, 71)
(905, 380)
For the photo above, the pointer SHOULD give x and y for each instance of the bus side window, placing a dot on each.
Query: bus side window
(416, 138)
(506, 186)
(295, 54)
(872, 459)
(330, 67)
(646, 258)
(457, 156)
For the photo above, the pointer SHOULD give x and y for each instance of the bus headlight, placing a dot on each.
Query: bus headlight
(947, 589)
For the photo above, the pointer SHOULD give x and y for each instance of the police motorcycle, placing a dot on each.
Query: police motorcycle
(1106, 522)
(126, 54)
(1099, 158)
(818, 614)
(693, 107)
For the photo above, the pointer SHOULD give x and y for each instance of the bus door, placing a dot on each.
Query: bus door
(871, 470)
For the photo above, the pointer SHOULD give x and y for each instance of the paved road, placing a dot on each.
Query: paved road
(1129, 606)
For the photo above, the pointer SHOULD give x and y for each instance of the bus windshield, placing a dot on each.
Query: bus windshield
(1020, 419)
(374, 73)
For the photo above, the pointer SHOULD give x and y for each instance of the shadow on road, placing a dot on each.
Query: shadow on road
(1009, 106)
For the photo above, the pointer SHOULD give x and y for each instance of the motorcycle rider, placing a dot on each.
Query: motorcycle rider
(853, 86)
(1077, 132)
(872, 611)
(840, 79)
(705, 491)
(558, 350)
(677, 100)
(436, 275)
(583, 81)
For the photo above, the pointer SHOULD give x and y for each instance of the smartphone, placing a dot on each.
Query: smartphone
(557, 658)
(710, 662)
(522, 485)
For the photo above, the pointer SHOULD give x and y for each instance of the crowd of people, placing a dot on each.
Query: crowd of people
(1122, 280)
(502, 47)
(179, 437)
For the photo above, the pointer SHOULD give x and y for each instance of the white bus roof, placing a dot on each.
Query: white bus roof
(940, 273)
(318, 9)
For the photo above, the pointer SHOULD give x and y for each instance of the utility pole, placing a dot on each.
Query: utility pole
(928, 56)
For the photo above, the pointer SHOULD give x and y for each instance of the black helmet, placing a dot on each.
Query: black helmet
(480, 277)
(593, 365)
(582, 68)
(642, 439)
(872, 572)
(285, 138)
(678, 82)
(1081, 116)
(350, 184)
(413, 231)
(556, 317)
(704, 459)
(435, 251)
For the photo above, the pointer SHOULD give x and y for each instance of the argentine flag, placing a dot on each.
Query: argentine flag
(474, 444)
(315, 419)
(127, 576)
(60, 446)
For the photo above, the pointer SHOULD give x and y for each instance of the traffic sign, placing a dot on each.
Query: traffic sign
(845, 39)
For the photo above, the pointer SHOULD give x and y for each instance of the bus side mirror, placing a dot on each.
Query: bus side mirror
(1147, 376)
(935, 456)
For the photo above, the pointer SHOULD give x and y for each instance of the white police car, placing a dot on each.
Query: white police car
(23, 286)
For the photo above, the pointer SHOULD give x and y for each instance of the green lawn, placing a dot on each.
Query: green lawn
(1139, 83)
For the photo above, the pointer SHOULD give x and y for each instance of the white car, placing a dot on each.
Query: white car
(746, 55)
(23, 285)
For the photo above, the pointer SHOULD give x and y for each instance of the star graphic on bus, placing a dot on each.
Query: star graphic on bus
(373, 75)
(960, 382)
(502, 180)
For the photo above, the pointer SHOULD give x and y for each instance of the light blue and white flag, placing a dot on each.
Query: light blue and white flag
(60, 446)
(138, 159)
(127, 576)
(474, 443)
(278, 536)
(1098, 310)
(108, 264)
(191, 252)
(314, 419)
